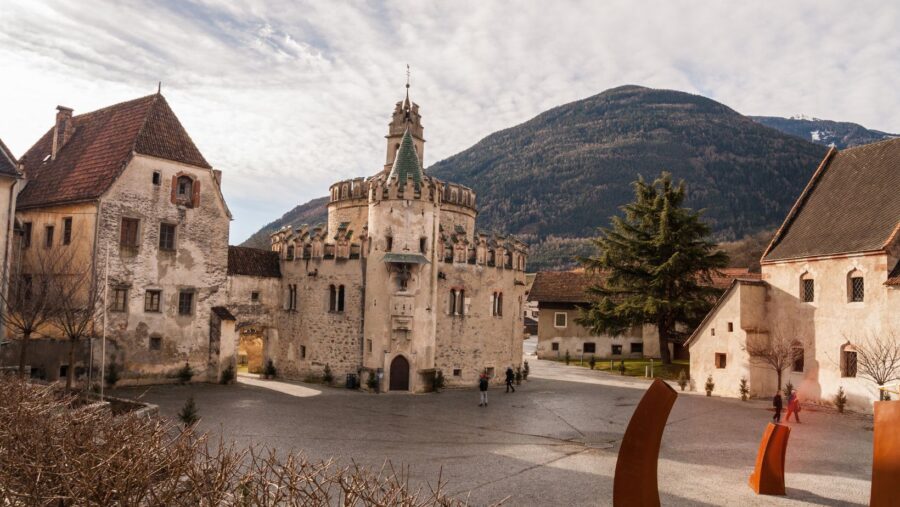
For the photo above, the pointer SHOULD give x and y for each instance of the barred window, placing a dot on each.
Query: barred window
(67, 230)
(560, 319)
(857, 289)
(808, 290)
(848, 362)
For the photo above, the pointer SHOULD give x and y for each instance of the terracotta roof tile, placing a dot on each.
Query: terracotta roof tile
(99, 148)
(852, 204)
(253, 262)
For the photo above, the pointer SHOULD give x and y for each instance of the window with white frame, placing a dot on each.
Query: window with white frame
(560, 319)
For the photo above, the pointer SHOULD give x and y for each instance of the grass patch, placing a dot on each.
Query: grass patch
(636, 367)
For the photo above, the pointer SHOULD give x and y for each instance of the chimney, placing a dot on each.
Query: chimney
(63, 130)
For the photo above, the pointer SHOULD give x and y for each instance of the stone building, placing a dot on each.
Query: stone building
(830, 280)
(398, 283)
(127, 183)
(561, 295)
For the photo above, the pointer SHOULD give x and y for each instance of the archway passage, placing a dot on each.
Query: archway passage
(399, 374)
(250, 350)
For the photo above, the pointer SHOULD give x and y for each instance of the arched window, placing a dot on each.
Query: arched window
(185, 187)
(185, 191)
(344, 191)
(798, 354)
(389, 243)
(290, 252)
(461, 302)
(807, 288)
(855, 286)
(848, 360)
(332, 298)
(451, 307)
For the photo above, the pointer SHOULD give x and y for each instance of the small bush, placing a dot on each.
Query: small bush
(568, 358)
(439, 381)
(228, 374)
(185, 374)
(518, 375)
(188, 414)
(372, 381)
(840, 400)
(788, 389)
(525, 371)
(112, 374)
(710, 385)
(327, 376)
(270, 370)
(682, 380)
(622, 367)
(744, 389)
(592, 363)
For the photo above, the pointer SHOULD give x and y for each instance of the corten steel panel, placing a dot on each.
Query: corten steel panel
(635, 481)
(886, 455)
(768, 475)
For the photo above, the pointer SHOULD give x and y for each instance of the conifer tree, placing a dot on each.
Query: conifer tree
(657, 262)
(189, 414)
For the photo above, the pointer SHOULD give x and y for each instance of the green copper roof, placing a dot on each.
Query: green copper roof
(406, 164)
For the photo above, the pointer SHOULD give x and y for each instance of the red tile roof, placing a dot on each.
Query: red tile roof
(253, 262)
(894, 276)
(571, 286)
(7, 161)
(100, 147)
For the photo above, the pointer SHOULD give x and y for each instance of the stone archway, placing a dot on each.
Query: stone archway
(251, 344)
(399, 374)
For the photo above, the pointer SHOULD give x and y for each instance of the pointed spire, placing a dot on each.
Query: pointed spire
(406, 163)
(406, 104)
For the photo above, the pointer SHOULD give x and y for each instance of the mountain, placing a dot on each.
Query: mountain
(556, 178)
(840, 134)
(312, 213)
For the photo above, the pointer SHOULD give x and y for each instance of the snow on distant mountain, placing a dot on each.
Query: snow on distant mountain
(826, 132)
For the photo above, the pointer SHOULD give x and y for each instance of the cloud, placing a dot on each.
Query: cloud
(286, 97)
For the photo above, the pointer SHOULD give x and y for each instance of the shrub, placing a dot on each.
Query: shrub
(788, 389)
(744, 389)
(185, 374)
(840, 400)
(710, 385)
(228, 374)
(372, 381)
(592, 363)
(438, 381)
(622, 367)
(682, 379)
(112, 375)
(188, 414)
(525, 371)
(518, 375)
(270, 371)
(568, 358)
(327, 377)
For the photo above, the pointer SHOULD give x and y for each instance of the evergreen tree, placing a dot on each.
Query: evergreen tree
(188, 414)
(657, 262)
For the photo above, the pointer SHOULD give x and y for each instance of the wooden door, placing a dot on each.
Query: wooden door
(399, 374)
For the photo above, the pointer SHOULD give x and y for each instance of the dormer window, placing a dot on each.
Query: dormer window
(184, 187)
(185, 191)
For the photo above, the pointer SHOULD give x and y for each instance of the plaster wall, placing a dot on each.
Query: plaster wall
(573, 336)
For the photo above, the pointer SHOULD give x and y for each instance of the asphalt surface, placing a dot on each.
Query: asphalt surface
(553, 442)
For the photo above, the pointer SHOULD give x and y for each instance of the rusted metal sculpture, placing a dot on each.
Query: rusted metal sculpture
(635, 481)
(886, 455)
(768, 475)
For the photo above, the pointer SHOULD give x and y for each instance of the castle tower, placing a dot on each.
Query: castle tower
(401, 272)
(405, 118)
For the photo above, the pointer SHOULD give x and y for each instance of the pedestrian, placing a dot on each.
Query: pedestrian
(483, 387)
(776, 402)
(510, 378)
(793, 407)
(525, 371)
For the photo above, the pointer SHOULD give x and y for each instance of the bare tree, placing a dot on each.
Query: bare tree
(29, 303)
(777, 350)
(78, 297)
(878, 358)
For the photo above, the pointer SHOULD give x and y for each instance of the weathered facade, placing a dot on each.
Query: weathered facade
(398, 284)
(830, 281)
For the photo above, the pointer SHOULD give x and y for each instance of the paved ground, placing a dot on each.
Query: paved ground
(554, 442)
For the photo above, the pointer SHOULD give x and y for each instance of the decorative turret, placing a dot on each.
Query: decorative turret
(406, 164)
(406, 119)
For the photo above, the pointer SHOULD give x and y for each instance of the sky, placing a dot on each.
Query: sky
(286, 97)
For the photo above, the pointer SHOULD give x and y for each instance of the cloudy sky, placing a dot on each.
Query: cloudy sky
(287, 96)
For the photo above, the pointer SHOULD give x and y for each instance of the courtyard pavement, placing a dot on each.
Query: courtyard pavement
(553, 442)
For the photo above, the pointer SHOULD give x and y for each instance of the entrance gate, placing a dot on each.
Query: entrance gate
(399, 374)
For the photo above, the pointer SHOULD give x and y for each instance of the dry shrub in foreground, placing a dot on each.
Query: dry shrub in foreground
(55, 452)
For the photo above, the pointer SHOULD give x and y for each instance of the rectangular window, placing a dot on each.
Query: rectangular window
(637, 348)
(560, 319)
(457, 372)
(157, 178)
(554, 346)
(809, 291)
(26, 235)
(590, 348)
(390, 244)
(155, 342)
(151, 300)
(119, 300)
(857, 289)
(712, 331)
(185, 302)
(67, 230)
(48, 236)
(369, 346)
(731, 327)
(490, 372)
(167, 237)
(617, 350)
(422, 245)
(720, 360)
(797, 366)
(848, 363)
(254, 297)
(128, 234)
(302, 351)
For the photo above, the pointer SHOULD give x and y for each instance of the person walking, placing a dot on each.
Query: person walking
(793, 407)
(510, 378)
(483, 387)
(776, 402)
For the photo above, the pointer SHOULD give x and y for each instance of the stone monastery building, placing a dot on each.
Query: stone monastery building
(830, 285)
(397, 284)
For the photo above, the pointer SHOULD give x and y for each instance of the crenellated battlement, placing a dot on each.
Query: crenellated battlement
(460, 195)
(307, 242)
(489, 250)
(349, 190)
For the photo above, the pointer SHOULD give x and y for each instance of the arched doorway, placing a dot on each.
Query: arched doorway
(399, 374)
(250, 349)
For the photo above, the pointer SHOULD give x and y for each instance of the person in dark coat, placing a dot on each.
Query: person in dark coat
(510, 379)
(483, 387)
(776, 402)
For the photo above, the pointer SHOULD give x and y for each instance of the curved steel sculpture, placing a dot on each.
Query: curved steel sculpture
(768, 475)
(635, 481)
(886, 455)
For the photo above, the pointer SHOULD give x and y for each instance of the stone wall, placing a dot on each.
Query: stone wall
(573, 336)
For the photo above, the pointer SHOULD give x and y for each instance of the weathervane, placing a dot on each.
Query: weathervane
(407, 76)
